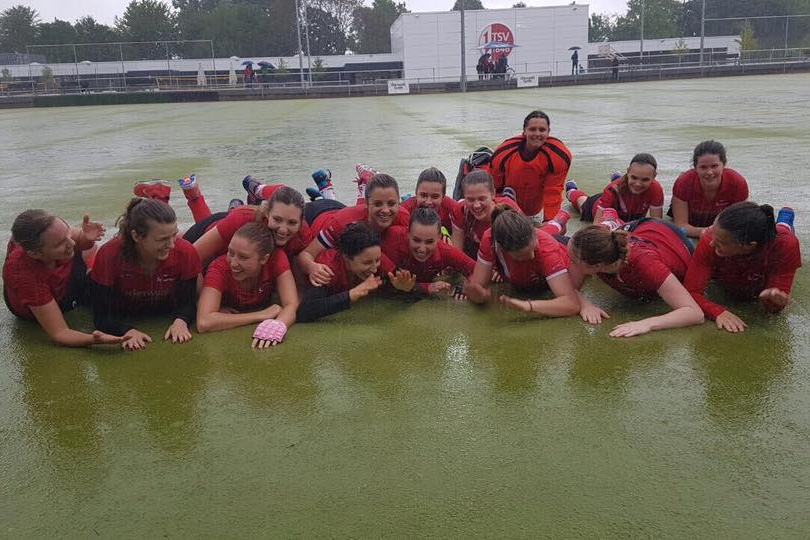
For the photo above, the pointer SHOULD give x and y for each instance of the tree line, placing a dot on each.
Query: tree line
(248, 28)
(674, 18)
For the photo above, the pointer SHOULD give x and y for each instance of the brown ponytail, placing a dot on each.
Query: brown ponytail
(136, 218)
(595, 244)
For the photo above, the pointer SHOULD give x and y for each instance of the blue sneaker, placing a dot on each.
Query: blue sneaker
(571, 184)
(314, 193)
(322, 178)
(615, 175)
(235, 203)
(251, 185)
(189, 182)
(509, 191)
(406, 197)
(785, 216)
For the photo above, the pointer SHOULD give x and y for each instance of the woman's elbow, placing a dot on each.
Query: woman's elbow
(204, 324)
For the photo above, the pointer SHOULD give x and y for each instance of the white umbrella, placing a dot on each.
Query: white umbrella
(231, 74)
(201, 75)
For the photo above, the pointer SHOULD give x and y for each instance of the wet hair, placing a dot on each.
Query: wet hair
(425, 216)
(283, 195)
(258, 235)
(709, 147)
(432, 174)
(29, 226)
(749, 222)
(511, 229)
(536, 114)
(641, 159)
(357, 237)
(381, 181)
(136, 218)
(595, 244)
(476, 177)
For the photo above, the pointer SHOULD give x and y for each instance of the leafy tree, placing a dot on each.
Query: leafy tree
(281, 66)
(519, 5)
(47, 77)
(56, 32)
(471, 4)
(146, 20)
(342, 10)
(372, 25)
(747, 41)
(660, 20)
(600, 28)
(325, 36)
(18, 28)
(681, 49)
(88, 30)
(6, 75)
(318, 68)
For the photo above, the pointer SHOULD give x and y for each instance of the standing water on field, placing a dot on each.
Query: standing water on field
(434, 418)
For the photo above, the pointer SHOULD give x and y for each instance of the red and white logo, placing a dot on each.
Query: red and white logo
(497, 33)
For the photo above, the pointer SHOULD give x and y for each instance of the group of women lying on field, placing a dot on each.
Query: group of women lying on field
(278, 260)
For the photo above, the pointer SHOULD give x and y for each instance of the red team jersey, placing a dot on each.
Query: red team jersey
(336, 222)
(744, 276)
(31, 283)
(550, 260)
(341, 281)
(474, 229)
(227, 227)
(733, 189)
(220, 277)
(445, 210)
(396, 247)
(137, 292)
(538, 182)
(628, 205)
(656, 251)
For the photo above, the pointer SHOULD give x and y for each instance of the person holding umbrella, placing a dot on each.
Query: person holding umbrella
(574, 62)
(248, 73)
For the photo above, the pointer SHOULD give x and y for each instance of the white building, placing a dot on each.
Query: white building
(429, 44)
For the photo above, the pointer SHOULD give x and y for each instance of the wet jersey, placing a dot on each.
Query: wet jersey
(733, 189)
(628, 205)
(31, 283)
(550, 260)
(445, 209)
(446, 257)
(220, 277)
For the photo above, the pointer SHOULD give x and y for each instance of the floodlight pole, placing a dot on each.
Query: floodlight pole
(306, 33)
(641, 41)
(300, 52)
(702, 29)
(463, 81)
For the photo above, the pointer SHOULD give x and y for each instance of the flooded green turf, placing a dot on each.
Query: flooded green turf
(427, 419)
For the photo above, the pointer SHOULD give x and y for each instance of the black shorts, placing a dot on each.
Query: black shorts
(316, 208)
(586, 212)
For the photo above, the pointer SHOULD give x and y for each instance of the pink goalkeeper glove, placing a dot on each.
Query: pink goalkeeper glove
(269, 332)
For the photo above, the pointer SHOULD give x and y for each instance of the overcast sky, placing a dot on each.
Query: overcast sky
(105, 10)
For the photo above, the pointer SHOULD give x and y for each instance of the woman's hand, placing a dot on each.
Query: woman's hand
(371, 283)
(320, 275)
(630, 329)
(773, 300)
(516, 303)
(438, 287)
(135, 340)
(269, 333)
(178, 332)
(271, 312)
(92, 231)
(100, 338)
(730, 322)
(402, 280)
(496, 277)
(593, 314)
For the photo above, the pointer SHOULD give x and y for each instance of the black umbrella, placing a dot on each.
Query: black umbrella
(247, 63)
(574, 48)
(267, 65)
